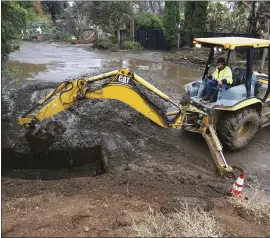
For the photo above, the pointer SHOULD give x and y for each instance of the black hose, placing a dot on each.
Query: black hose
(39, 104)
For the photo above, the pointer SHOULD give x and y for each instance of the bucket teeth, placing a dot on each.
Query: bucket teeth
(41, 138)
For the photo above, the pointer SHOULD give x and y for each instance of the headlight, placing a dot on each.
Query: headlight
(220, 49)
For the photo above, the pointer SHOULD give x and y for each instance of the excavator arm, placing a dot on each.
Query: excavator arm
(125, 86)
(120, 86)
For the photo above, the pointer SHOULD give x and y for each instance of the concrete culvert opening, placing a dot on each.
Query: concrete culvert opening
(55, 164)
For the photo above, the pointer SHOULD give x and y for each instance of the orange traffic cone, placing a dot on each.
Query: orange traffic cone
(237, 187)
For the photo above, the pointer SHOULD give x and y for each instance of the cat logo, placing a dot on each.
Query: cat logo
(123, 79)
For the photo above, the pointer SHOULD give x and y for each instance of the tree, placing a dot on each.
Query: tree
(238, 19)
(171, 19)
(195, 16)
(217, 16)
(264, 27)
(188, 19)
(225, 18)
(262, 21)
(199, 16)
(13, 19)
(79, 19)
(38, 8)
(188, 15)
(111, 16)
(147, 20)
(54, 8)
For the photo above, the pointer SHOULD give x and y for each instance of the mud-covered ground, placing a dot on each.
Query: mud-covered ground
(150, 166)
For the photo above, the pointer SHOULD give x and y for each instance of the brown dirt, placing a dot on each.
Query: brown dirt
(105, 205)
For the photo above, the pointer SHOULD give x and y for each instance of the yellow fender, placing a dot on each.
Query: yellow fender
(240, 105)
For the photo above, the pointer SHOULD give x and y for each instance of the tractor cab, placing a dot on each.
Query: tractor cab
(241, 56)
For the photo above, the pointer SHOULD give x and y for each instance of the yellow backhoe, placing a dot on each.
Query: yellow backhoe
(232, 120)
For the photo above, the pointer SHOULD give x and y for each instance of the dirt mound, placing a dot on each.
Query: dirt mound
(106, 205)
(128, 135)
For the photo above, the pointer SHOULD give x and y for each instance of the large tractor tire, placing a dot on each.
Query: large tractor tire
(237, 129)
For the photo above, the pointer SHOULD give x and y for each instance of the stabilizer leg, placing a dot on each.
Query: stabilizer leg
(216, 151)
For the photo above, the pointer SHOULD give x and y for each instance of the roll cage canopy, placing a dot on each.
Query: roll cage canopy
(234, 43)
(231, 43)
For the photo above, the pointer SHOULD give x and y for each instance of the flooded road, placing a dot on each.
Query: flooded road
(56, 62)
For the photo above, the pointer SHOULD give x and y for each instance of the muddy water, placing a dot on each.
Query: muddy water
(55, 62)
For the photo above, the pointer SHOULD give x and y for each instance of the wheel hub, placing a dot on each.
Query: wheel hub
(244, 131)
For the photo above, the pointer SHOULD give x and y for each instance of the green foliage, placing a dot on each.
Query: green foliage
(237, 20)
(113, 39)
(54, 8)
(218, 14)
(195, 16)
(50, 31)
(132, 45)
(220, 19)
(199, 16)
(13, 19)
(188, 15)
(112, 15)
(147, 20)
(103, 44)
(171, 19)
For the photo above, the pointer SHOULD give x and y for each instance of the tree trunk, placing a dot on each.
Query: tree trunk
(119, 37)
(265, 53)
(132, 22)
(152, 6)
(160, 8)
(266, 36)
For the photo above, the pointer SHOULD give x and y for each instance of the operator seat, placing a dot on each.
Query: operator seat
(239, 76)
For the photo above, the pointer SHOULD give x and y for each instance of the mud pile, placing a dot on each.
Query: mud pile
(129, 137)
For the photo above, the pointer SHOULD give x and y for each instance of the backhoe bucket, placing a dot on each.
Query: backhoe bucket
(42, 137)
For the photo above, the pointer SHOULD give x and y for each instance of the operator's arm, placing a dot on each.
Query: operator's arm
(227, 78)
(214, 75)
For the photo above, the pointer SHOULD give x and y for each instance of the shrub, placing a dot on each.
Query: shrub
(132, 45)
(113, 39)
(102, 44)
(189, 222)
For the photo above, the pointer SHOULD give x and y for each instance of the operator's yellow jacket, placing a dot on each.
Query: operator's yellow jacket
(224, 75)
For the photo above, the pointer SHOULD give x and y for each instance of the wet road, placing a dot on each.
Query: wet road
(55, 62)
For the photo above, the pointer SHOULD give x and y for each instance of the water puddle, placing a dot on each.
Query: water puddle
(28, 71)
(54, 62)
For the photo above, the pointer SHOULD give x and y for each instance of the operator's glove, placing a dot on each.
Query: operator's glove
(224, 81)
(209, 76)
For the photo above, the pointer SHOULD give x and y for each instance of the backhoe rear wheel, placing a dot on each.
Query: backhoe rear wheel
(237, 129)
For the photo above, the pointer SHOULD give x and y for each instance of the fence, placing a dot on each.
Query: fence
(155, 40)
(151, 39)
